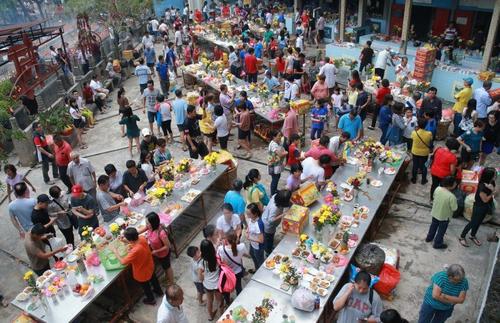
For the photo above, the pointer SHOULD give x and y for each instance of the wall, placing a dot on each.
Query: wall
(464, 23)
(440, 22)
(397, 14)
(161, 5)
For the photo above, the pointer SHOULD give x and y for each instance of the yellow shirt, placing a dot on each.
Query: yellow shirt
(462, 98)
(421, 142)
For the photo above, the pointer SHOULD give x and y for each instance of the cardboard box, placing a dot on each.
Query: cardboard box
(306, 195)
(295, 219)
(470, 180)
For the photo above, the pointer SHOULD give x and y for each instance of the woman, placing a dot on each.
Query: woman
(228, 221)
(60, 209)
(444, 162)
(491, 135)
(468, 118)
(210, 233)
(222, 127)
(447, 289)
(209, 275)
(231, 253)
(122, 106)
(78, 121)
(161, 154)
(483, 205)
(130, 121)
(272, 215)
(471, 142)
(207, 126)
(276, 156)
(402, 70)
(385, 117)
(355, 79)
(280, 63)
(255, 235)
(147, 167)
(157, 237)
(395, 131)
(255, 191)
(420, 150)
(165, 111)
(13, 177)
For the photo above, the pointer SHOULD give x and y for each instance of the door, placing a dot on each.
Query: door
(421, 19)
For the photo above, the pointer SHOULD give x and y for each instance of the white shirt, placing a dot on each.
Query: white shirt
(299, 43)
(185, 11)
(178, 38)
(75, 114)
(382, 57)
(148, 169)
(167, 15)
(170, 314)
(337, 100)
(166, 111)
(154, 24)
(221, 126)
(404, 71)
(224, 226)
(95, 85)
(269, 18)
(311, 167)
(147, 41)
(328, 70)
(195, 265)
(254, 232)
(410, 124)
(163, 27)
(334, 146)
(221, 251)
(291, 90)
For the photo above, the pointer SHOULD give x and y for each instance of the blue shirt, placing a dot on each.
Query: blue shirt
(236, 200)
(271, 83)
(248, 104)
(319, 113)
(447, 287)
(162, 69)
(483, 102)
(180, 110)
(384, 116)
(473, 140)
(21, 209)
(431, 126)
(170, 57)
(350, 126)
(258, 50)
(142, 72)
(150, 55)
(242, 55)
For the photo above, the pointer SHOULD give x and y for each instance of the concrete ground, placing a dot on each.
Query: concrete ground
(405, 228)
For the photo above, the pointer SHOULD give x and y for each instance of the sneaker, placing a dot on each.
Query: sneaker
(443, 246)
(149, 301)
(50, 182)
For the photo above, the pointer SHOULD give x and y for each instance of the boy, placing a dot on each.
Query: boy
(237, 201)
(410, 124)
(294, 154)
(318, 117)
(445, 204)
(430, 123)
(471, 144)
(195, 255)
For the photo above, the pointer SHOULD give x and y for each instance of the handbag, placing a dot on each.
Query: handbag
(72, 218)
(243, 270)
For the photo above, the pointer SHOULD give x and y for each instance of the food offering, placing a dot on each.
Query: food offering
(306, 195)
(317, 281)
(84, 290)
(190, 195)
(390, 170)
(328, 214)
(294, 219)
(390, 157)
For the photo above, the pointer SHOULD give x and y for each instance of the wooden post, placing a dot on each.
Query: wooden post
(406, 27)
(361, 12)
(492, 33)
(342, 20)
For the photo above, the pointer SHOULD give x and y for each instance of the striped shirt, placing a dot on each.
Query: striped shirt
(447, 287)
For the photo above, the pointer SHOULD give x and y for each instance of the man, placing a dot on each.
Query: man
(322, 150)
(53, 55)
(44, 153)
(20, 209)
(109, 202)
(171, 58)
(40, 214)
(314, 170)
(179, 106)
(461, 98)
(63, 62)
(35, 249)
(83, 61)
(85, 208)
(149, 142)
(431, 103)
(154, 27)
(251, 66)
(379, 101)
(162, 70)
(149, 102)
(170, 310)
(336, 144)
(192, 133)
(150, 56)
(272, 82)
(81, 172)
(147, 40)
(62, 152)
(366, 56)
(178, 40)
(290, 124)
(329, 71)
(98, 89)
(320, 28)
(352, 124)
(362, 101)
(143, 74)
(244, 99)
(381, 62)
(134, 179)
(483, 101)
(226, 101)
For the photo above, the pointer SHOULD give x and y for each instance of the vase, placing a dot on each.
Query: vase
(318, 234)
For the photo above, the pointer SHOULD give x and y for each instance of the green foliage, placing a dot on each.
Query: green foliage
(5, 88)
(55, 120)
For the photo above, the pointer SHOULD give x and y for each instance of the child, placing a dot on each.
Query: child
(165, 111)
(336, 99)
(344, 108)
(195, 255)
(410, 124)
(445, 204)
(293, 181)
(430, 124)
(13, 177)
(294, 154)
(318, 117)
(471, 144)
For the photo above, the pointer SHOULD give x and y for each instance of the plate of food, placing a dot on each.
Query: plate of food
(329, 277)
(390, 171)
(347, 196)
(324, 284)
(305, 254)
(278, 258)
(132, 221)
(296, 252)
(285, 287)
(376, 183)
(321, 292)
(270, 264)
(22, 297)
(190, 195)
(72, 257)
(326, 258)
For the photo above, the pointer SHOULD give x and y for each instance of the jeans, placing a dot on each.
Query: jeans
(68, 235)
(428, 314)
(435, 183)
(257, 256)
(268, 242)
(316, 133)
(164, 86)
(146, 287)
(375, 115)
(45, 166)
(275, 178)
(63, 175)
(419, 163)
(383, 137)
(437, 231)
(362, 66)
(456, 121)
(478, 215)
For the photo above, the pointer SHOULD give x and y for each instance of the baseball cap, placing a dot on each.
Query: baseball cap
(145, 132)
(469, 80)
(43, 198)
(76, 190)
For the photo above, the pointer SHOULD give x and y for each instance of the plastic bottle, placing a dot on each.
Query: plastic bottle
(316, 303)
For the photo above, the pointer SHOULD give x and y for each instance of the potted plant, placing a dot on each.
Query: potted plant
(6, 132)
(58, 121)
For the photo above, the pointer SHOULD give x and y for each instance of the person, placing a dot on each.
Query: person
(336, 100)
(471, 143)
(123, 104)
(430, 123)
(444, 162)
(410, 122)
(170, 310)
(234, 62)
(20, 209)
(295, 156)
(391, 316)
(380, 101)
(483, 100)
(483, 205)
(314, 169)
(366, 56)
(344, 109)
(60, 209)
(255, 191)
(62, 155)
(163, 75)
(491, 137)
(251, 69)
(447, 289)
(234, 198)
(395, 131)
(115, 179)
(357, 301)
(208, 272)
(149, 141)
(99, 92)
(13, 177)
(134, 179)
(226, 100)
(275, 159)
(462, 98)
(221, 125)
(469, 116)
(272, 83)
(178, 40)
(147, 40)
(139, 256)
(420, 150)
(195, 254)
(352, 124)
(318, 118)
(78, 122)
(129, 120)
(88, 94)
(165, 116)
(258, 48)
(411, 102)
(192, 134)
(445, 204)
(320, 30)
(39, 214)
(255, 235)
(171, 58)
(355, 79)
(146, 164)
(329, 71)
(81, 172)
(362, 101)
(294, 180)
(244, 127)
(143, 74)
(431, 103)
(272, 215)
(109, 203)
(150, 56)
(381, 61)
(229, 220)
(149, 101)
(30, 104)
(231, 253)
(291, 123)
(206, 123)
(209, 233)
(280, 64)
(44, 153)
(84, 207)
(160, 155)
(35, 245)
(402, 70)
(385, 117)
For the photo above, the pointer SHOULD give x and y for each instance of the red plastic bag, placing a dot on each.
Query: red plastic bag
(389, 279)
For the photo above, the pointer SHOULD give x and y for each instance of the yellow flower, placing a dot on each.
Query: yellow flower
(303, 237)
(113, 227)
(85, 233)
(28, 275)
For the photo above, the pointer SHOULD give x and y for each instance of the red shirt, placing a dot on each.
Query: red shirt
(250, 64)
(280, 65)
(87, 94)
(39, 140)
(62, 154)
(273, 45)
(217, 54)
(443, 159)
(293, 154)
(381, 93)
(225, 11)
(317, 152)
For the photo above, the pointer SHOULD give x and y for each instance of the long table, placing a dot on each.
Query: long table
(69, 306)
(265, 284)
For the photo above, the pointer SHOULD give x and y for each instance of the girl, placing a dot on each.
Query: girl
(255, 191)
(491, 136)
(78, 121)
(469, 116)
(165, 110)
(147, 167)
(13, 177)
(355, 79)
(222, 127)
(209, 275)
(231, 253)
(255, 235)
(122, 106)
(130, 121)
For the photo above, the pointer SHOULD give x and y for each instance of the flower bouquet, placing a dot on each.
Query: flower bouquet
(289, 274)
(354, 181)
(211, 159)
(262, 312)
(29, 278)
(389, 156)
(87, 234)
(114, 228)
(327, 214)
(167, 170)
(183, 165)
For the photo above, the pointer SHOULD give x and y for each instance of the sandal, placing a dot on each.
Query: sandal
(463, 242)
(476, 241)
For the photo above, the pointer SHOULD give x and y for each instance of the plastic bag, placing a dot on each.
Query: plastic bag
(303, 299)
(388, 279)
(56, 243)
(355, 270)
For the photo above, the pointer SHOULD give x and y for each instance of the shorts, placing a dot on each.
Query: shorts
(487, 147)
(78, 123)
(180, 127)
(142, 87)
(242, 134)
(151, 116)
(150, 65)
(321, 33)
(164, 262)
(210, 290)
(199, 288)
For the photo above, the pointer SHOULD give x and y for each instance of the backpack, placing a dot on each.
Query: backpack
(227, 278)
(265, 198)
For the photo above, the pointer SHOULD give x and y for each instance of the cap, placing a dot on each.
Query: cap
(76, 190)
(43, 198)
(145, 132)
(469, 80)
